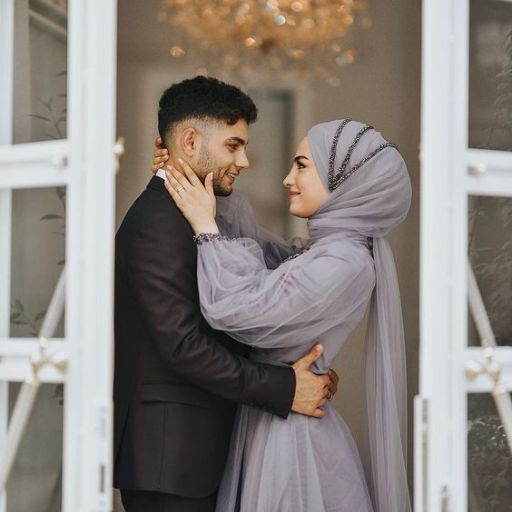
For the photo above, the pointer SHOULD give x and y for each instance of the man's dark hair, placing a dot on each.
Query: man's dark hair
(203, 98)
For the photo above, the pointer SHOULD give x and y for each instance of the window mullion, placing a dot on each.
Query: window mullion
(6, 124)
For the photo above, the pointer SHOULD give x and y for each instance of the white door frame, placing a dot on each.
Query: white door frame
(450, 172)
(85, 164)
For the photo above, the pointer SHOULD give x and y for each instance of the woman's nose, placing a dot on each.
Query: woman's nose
(288, 181)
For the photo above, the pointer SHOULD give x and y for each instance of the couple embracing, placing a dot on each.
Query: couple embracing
(220, 402)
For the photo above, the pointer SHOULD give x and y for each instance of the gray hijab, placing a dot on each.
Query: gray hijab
(371, 203)
(322, 294)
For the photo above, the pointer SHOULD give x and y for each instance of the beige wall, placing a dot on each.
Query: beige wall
(382, 88)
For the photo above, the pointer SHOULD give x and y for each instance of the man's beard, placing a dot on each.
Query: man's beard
(205, 165)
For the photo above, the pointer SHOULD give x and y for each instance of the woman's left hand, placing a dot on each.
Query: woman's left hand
(160, 156)
(195, 200)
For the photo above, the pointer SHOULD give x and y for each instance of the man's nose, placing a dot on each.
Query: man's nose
(242, 161)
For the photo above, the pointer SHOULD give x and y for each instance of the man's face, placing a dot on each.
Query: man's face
(223, 152)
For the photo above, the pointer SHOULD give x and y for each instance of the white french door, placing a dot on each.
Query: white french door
(57, 167)
(463, 414)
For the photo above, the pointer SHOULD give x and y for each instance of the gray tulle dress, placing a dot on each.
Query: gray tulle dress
(280, 299)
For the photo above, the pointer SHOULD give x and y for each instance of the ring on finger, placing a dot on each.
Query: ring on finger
(179, 189)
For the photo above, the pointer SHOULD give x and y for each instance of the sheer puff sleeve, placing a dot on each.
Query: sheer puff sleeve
(288, 306)
(236, 218)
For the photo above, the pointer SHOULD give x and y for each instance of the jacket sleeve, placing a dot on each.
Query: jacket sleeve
(163, 274)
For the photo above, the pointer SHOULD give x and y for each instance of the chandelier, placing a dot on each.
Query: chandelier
(247, 37)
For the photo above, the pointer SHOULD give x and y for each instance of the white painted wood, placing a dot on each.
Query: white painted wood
(32, 176)
(34, 151)
(450, 172)
(435, 245)
(85, 164)
(456, 427)
(420, 452)
(88, 415)
(483, 383)
(496, 179)
(15, 357)
(5, 293)
(6, 108)
(39, 164)
(4, 404)
(19, 369)
(25, 347)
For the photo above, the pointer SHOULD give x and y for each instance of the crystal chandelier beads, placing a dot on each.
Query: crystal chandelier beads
(245, 35)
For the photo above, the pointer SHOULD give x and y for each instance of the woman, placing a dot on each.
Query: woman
(353, 186)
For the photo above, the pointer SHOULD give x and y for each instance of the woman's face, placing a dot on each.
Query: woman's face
(306, 191)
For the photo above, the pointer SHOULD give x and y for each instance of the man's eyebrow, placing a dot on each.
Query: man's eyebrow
(299, 157)
(238, 140)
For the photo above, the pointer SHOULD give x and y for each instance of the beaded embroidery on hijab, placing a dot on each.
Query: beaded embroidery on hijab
(336, 179)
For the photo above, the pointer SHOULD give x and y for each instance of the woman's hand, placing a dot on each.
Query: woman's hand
(195, 200)
(160, 156)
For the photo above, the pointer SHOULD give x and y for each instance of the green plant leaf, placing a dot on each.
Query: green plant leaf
(37, 116)
(61, 192)
(39, 316)
(51, 216)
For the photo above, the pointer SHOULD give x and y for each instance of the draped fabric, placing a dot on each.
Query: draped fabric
(236, 218)
(371, 202)
(320, 294)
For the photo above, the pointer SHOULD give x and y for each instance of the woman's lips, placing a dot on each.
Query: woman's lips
(291, 195)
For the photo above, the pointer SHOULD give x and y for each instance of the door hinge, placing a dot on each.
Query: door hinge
(119, 152)
(445, 499)
(421, 453)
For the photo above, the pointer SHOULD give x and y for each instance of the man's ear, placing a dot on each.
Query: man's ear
(190, 141)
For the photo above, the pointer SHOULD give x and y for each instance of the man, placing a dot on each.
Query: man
(177, 381)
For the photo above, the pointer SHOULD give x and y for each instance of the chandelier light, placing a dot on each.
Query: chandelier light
(248, 37)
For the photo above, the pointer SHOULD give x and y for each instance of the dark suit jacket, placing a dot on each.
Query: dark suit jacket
(176, 380)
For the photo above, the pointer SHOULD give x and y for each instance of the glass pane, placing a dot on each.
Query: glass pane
(489, 458)
(490, 254)
(37, 256)
(40, 70)
(36, 479)
(490, 75)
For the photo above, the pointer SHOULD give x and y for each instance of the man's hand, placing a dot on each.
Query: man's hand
(160, 156)
(311, 390)
(333, 386)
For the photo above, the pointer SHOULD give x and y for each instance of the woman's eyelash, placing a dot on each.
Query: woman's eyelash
(300, 165)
